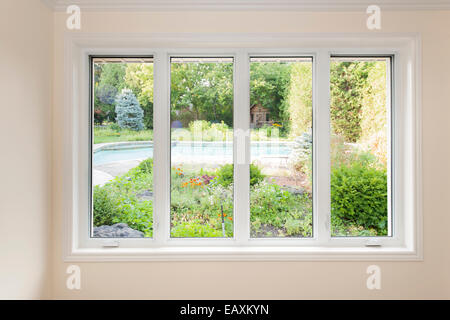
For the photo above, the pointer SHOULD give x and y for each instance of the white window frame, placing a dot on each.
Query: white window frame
(406, 242)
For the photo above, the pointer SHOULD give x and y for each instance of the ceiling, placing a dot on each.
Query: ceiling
(235, 5)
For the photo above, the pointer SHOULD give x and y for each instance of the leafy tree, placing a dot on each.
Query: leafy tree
(99, 115)
(139, 78)
(202, 91)
(129, 112)
(106, 94)
(269, 83)
(109, 80)
(113, 74)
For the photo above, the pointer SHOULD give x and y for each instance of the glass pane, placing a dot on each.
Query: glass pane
(122, 160)
(360, 144)
(281, 147)
(201, 111)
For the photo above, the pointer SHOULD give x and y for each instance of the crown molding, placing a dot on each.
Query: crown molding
(245, 5)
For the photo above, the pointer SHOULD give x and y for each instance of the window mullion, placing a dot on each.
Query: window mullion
(322, 147)
(241, 145)
(161, 145)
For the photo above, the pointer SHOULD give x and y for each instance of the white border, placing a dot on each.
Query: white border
(405, 245)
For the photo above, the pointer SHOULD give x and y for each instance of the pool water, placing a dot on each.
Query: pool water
(192, 152)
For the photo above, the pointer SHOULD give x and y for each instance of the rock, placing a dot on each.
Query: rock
(146, 195)
(294, 191)
(118, 230)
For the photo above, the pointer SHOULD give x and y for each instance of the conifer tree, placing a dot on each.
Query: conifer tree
(129, 113)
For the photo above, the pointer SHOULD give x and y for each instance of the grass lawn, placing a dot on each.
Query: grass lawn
(106, 134)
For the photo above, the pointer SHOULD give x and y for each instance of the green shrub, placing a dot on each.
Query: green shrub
(104, 207)
(137, 215)
(275, 209)
(299, 226)
(194, 230)
(118, 201)
(359, 196)
(256, 176)
(146, 166)
(224, 175)
(199, 126)
(343, 154)
(114, 127)
(292, 226)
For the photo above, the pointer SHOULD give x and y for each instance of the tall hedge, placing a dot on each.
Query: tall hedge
(374, 123)
(300, 99)
(348, 85)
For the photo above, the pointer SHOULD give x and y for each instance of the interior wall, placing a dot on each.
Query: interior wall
(26, 48)
(277, 280)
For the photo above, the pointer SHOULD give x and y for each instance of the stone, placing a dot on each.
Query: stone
(294, 191)
(146, 195)
(118, 230)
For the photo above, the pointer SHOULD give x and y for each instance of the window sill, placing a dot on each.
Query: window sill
(244, 254)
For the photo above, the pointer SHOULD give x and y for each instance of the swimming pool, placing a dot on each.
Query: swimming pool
(188, 151)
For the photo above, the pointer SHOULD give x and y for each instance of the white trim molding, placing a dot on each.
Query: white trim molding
(244, 5)
(406, 242)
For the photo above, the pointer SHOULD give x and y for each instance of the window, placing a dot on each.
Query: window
(201, 121)
(239, 153)
(122, 161)
(281, 148)
(360, 146)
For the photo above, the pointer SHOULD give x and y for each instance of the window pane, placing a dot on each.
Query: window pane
(122, 160)
(281, 147)
(360, 144)
(201, 111)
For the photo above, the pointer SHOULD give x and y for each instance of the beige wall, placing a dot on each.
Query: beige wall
(26, 48)
(290, 280)
(31, 156)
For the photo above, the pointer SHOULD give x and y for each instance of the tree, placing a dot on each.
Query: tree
(129, 113)
(374, 116)
(300, 99)
(106, 93)
(113, 74)
(109, 79)
(269, 84)
(105, 96)
(202, 91)
(348, 85)
(139, 78)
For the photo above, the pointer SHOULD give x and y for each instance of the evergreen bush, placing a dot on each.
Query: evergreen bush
(129, 113)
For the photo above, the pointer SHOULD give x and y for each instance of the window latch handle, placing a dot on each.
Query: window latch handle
(373, 243)
(110, 244)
